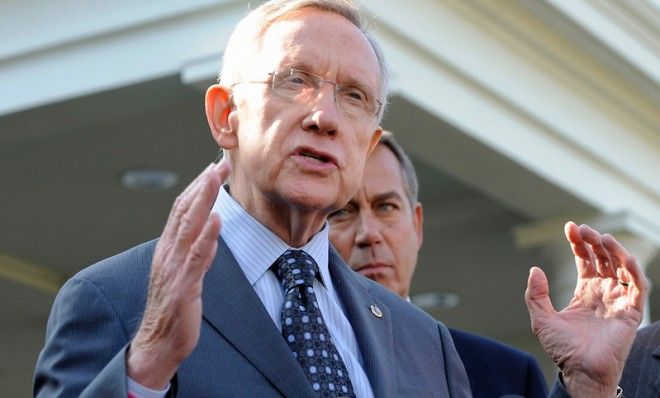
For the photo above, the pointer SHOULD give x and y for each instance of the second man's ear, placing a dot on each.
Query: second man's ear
(221, 116)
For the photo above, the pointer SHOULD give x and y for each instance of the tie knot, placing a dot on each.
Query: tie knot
(295, 268)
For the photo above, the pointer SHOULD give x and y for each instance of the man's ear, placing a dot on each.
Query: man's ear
(375, 138)
(418, 220)
(219, 108)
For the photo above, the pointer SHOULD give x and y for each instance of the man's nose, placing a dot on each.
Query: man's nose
(368, 233)
(324, 115)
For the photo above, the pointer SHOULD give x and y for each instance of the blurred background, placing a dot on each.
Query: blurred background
(518, 114)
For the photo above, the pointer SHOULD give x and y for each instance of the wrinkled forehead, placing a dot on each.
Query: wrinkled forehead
(325, 41)
(382, 172)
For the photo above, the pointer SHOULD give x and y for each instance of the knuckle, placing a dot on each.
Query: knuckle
(178, 211)
(186, 226)
(536, 328)
(196, 255)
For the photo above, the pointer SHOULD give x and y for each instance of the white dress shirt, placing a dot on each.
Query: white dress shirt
(256, 248)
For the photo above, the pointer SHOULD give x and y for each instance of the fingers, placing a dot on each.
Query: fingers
(195, 211)
(215, 175)
(188, 219)
(601, 255)
(605, 266)
(584, 257)
(629, 271)
(197, 229)
(537, 298)
(181, 204)
(203, 250)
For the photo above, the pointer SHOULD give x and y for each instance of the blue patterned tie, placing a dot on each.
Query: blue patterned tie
(304, 329)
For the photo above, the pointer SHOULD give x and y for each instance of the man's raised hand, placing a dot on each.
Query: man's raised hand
(170, 327)
(590, 339)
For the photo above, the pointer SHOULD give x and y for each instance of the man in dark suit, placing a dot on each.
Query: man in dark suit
(263, 306)
(496, 369)
(379, 233)
(641, 376)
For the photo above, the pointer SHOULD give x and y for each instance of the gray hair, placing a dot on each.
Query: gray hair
(246, 40)
(411, 185)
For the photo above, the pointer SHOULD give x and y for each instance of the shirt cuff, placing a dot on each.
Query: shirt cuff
(619, 390)
(137, 390)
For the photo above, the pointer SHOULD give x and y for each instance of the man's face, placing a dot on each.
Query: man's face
(378, 233)
(306, 155)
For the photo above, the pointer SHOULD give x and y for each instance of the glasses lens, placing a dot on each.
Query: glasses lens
(304, 87)
(354, 101)
(295, 84)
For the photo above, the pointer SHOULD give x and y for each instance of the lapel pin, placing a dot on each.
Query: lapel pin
(376, 311)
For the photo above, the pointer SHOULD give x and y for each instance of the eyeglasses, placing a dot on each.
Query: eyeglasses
(304, 87)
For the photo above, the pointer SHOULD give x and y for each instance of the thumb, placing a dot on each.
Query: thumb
(537, 296)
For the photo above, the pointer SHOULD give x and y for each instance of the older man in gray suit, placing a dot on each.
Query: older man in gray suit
(265, 307)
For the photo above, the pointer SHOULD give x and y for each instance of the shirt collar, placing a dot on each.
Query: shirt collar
(255, 247)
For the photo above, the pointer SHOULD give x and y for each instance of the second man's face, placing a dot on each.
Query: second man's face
(378, 233)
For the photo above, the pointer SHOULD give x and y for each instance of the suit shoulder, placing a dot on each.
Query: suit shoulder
(649, 334)
(122, 279)
(496, 369)
(132, 263)
(392, 300)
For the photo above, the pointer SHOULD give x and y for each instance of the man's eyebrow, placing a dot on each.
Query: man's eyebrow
(387, 195)
(351, 203)
(303, 66)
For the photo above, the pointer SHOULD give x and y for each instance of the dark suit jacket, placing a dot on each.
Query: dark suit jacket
(495, 369)
(641, 375)
(240, 351)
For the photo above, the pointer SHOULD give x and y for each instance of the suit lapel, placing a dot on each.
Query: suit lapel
(232, 307)
(374, 335)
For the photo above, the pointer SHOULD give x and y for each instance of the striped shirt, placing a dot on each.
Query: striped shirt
(256, 248)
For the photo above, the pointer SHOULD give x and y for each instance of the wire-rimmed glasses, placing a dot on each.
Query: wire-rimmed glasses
(304, 87)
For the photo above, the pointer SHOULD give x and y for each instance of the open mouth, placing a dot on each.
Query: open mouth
(316, 157)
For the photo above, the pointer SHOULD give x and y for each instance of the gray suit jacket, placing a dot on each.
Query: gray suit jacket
(641, 376)
(240, 350)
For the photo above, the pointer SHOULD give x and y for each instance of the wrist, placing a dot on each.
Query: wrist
(580, 385)
(149, 367)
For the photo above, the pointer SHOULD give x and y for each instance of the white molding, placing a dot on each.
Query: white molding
(551, 230)
(30, 26)
(628, 28)
(201, 73)
(496, 71)
(123, 49)
(533, 102)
